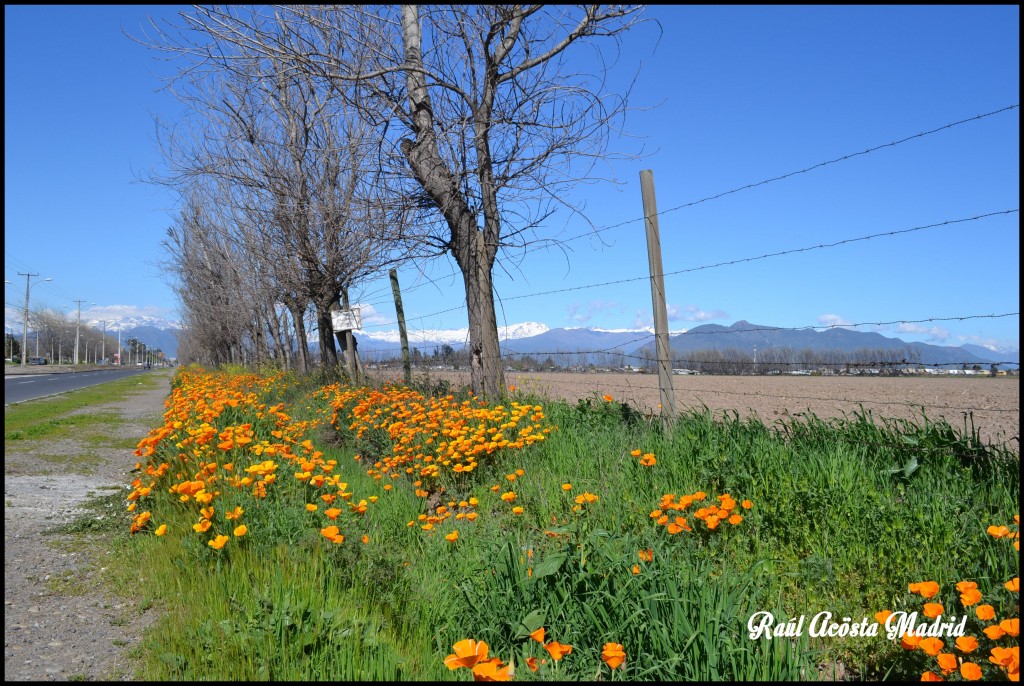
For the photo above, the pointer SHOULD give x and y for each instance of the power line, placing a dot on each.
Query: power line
(730, 262)
(767, 255)
(792, 173)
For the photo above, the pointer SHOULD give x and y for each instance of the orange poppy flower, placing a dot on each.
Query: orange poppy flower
(557, 650)
(985, 612)
(910, 641)
(636, 569)
(970, 671)
(538, 635)
(161, 530)
(1010, 626)
(492, 670)
(1003, 656)
(929, 589)
(467, 654)
(882, 615)
(453, 536)
(240, 530)
(218, 542)
(966, 644)
(1013, 585)
(970, 597)
(931, 645)
(932, 610)
(947, 662)
(994, 632)
(607, 398)
(333, 534)
(645, 555)
(931, 676)
(747, 504)
(613, 655)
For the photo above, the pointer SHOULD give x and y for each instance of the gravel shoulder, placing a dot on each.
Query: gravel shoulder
(61, 618)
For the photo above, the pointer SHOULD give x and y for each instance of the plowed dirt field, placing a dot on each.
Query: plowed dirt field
(992, 402)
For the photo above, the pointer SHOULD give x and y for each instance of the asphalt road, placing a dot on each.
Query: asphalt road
(19, 388)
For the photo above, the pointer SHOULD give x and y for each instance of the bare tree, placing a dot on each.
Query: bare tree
(477, 104)
(282, 163)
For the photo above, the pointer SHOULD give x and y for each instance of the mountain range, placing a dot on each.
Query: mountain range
(589, 345)
(155, 332)
(569, 346)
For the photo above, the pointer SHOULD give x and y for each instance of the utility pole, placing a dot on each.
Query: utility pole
(661, 343)
(24, 335)
(104, 356)
(78, 327)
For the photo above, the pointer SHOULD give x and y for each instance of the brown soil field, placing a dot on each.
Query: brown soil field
(992, 403)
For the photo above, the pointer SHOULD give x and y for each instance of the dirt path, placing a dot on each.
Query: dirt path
(60, 620)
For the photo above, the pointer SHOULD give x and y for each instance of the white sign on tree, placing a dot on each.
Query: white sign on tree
(346, 320)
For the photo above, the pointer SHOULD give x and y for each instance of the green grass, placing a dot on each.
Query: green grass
(846, 513)
(61, 415)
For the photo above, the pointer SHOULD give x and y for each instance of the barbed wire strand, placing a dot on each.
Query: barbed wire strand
(645, 277)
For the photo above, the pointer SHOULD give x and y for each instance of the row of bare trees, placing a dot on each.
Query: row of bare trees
(329, 143)
(51, 334)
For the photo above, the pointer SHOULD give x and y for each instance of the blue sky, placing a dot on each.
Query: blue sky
(730, 97)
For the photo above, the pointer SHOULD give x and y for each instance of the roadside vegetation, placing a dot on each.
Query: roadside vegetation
(291, 530)
(71, 413)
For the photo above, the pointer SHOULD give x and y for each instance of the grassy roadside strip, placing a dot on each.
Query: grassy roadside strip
(52, 417)
(71, 435)
(293, 532)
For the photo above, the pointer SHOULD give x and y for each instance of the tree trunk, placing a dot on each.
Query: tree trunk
(280, 352)
(486, 370)
(301, 341)
(325, 330)
(472, 253)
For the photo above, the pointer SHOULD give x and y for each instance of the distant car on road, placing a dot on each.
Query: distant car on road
(37, 360)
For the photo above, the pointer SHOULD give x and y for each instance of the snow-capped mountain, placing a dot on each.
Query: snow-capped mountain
(453, 337)
(579, 345)
(134, 322)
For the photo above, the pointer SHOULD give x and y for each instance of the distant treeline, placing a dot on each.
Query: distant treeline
(730, 361)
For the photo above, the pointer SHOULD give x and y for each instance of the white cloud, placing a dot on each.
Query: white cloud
(833, 320)
(370, 316)
(581, 313)
(993, 344)
(689, 313)
(692, 313)
(643, 320)
(933, 333)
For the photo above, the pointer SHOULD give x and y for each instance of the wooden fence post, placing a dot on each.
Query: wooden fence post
(661, 342)
(406, 366)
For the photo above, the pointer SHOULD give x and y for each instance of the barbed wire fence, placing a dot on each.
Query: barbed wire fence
(627, 364)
